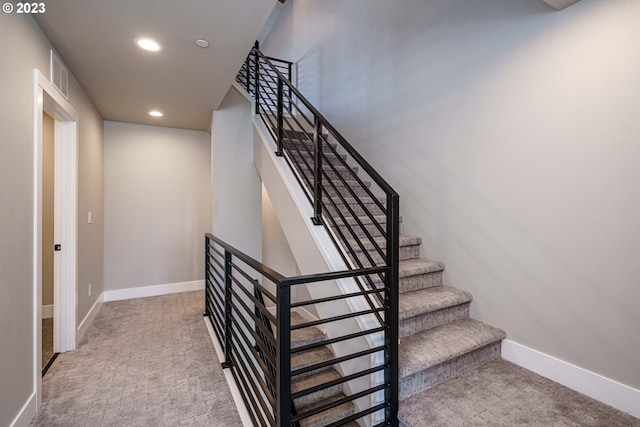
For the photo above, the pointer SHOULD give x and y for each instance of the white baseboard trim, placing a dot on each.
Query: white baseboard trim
(26, 414)
(604, 389)
(47, 311)
(89, 318)
(235, 392)
(152, 291)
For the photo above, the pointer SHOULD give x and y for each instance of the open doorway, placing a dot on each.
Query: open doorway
(47, 99)
(48, 240)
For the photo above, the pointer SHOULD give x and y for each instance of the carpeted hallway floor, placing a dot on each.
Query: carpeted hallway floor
(143, 362)
(501, 394)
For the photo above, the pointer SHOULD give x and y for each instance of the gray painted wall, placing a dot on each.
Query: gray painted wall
(23, 47)
(157, 204)
(237, 189)
(90, 199)
(511, 132)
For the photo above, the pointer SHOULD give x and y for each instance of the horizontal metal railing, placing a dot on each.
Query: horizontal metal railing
(249, 306)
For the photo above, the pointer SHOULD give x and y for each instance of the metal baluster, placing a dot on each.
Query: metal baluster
(290, 99)
(257, 76)
(248, 75)
(280, 130)
(317, 172)
(392, 336)
(228, 313)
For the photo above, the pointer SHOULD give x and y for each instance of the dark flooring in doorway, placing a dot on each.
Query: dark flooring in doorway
(47, 341)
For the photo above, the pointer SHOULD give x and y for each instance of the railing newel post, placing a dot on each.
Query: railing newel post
(317, 171)
(392, 336)
(207, 290)
(283, 359)
(228, 309)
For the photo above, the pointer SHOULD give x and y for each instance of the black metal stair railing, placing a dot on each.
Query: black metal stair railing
(360, 211)
(256, 336)
(361, 224)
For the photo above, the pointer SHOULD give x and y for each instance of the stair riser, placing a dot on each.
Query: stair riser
(298, 156)
(305, 143)
(421, 281)
(406, 253)
(359, 232)
(329, 417)
(345, 178)
(357, 209)
(317, 396)
(342, 171)
(418, 282)
(432, 320)
(341, 189)
(302, 342)
(409, 252)
(314, 372)
(433, 376)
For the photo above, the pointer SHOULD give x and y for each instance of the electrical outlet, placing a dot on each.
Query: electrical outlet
(89, 289)
(89, 217)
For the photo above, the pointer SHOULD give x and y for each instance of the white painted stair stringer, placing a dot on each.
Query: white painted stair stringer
(314, 252)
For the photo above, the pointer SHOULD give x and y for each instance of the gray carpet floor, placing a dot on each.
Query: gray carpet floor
(143, 362)
(500, 393)
(150, 362)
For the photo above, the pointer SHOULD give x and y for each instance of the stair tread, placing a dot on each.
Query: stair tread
(428, 300)
(429, 348)
(414, 267)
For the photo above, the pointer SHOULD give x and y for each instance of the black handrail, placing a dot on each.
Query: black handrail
(363, 228)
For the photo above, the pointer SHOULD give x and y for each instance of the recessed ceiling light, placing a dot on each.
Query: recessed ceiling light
(202, 43)
(148, 44)
(155, 113)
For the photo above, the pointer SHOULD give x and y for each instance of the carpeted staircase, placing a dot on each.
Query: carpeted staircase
(317, 377)
(438, 339)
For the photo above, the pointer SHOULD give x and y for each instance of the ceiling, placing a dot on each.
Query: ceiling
(95, 38)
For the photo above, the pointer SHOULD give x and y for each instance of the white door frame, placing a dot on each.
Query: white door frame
(47, 99)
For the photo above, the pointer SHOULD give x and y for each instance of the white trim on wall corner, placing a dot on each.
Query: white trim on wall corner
(26, 414)
(47, 311)
(152, 291)
(604, 389)
(89, 318)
